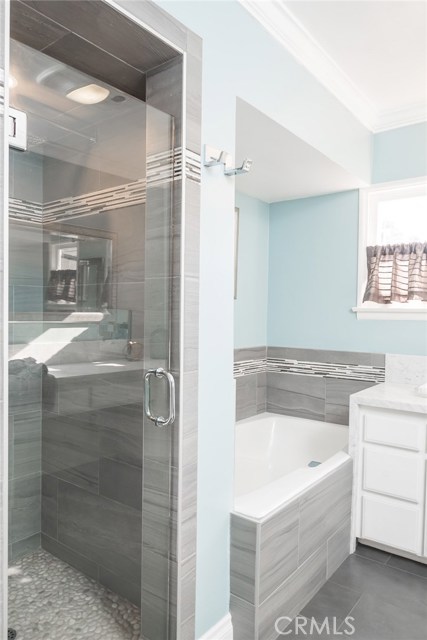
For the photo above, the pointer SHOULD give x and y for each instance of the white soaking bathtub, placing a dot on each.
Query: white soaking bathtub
(272, 457)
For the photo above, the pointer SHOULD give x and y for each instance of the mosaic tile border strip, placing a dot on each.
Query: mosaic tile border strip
(161, 169)
(318, 369)
(167, 165)
(164, 167)
(248, 367)
(108, 199)
(26, 210)
(1, 92)
(193, 166)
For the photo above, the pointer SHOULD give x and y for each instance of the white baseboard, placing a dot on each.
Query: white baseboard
(223, 630)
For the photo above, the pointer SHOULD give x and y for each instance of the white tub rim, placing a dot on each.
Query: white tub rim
(261, 504)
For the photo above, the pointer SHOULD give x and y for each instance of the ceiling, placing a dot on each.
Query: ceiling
(372, 55)
(284, 167)
(93, 37)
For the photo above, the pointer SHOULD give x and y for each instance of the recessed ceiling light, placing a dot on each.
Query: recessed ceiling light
(90, 94)
(12, 82)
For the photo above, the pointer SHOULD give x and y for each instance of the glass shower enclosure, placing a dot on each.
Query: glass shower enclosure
(91, 396)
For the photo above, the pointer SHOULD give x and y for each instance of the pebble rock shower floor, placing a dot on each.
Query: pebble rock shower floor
(49, 600)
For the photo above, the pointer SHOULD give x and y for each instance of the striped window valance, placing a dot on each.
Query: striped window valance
(397, 273)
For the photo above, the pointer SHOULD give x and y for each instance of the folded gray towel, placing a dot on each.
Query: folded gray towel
(30, 382)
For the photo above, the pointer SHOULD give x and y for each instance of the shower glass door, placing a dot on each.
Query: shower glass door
(91, 294)
(158, 619)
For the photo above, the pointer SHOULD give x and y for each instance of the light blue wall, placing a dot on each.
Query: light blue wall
(270, 79)
(400, 153)
(313, 281)
(250, 307)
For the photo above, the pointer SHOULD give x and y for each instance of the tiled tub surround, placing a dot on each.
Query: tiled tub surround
(279, 563)
(306, 383)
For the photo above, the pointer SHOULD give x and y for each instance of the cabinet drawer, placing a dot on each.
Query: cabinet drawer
(395, 524)
(395, 429)
(393, 473)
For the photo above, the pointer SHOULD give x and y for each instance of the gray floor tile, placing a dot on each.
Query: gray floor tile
(331, 601)
(398, 587)
(372, 554)
(376, 619)
(410, 566)
(383, 602)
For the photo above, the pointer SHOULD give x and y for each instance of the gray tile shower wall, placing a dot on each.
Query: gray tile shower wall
(25, 441)
(3, 312)
(278, 564)
(305, 383)
(91, 486)
(25, 393)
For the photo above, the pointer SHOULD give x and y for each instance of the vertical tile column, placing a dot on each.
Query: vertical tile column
(164, 91)
(187, 515)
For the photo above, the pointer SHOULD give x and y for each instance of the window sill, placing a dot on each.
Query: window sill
(390, 313)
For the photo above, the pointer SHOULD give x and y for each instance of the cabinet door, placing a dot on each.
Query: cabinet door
(393, 473)
(393, 523)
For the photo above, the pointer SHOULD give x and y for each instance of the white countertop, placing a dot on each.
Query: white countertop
(391, 396)
(78, 369)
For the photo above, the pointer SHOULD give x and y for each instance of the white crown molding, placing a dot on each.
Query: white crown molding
(223, 630)
(394, 118)
(281, 23)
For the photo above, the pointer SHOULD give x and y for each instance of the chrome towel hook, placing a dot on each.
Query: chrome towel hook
(214, 157)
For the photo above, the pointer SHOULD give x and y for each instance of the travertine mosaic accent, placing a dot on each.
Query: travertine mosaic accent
(247, 367)
(161, 168)
(319, 369)
(1, 92)
(49, 600)
(193, 168)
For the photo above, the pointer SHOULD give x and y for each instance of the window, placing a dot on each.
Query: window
(392, 282)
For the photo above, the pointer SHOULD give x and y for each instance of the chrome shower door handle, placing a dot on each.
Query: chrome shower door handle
(159, 421)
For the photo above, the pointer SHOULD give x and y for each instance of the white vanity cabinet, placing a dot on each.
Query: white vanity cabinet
(389, 447)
